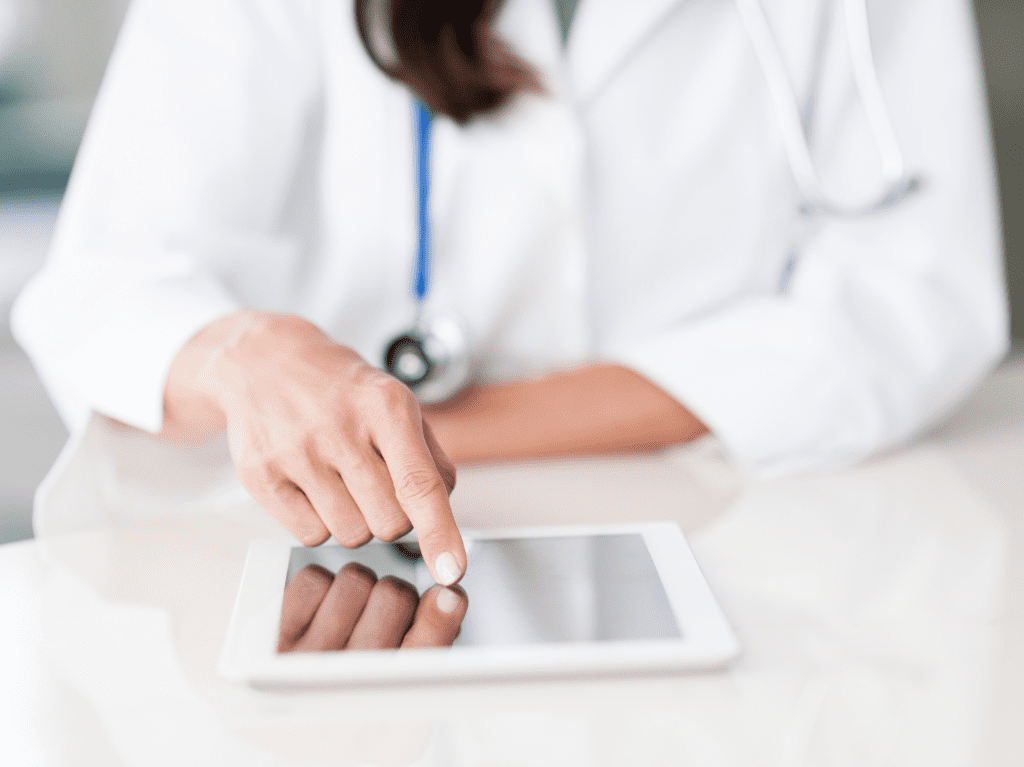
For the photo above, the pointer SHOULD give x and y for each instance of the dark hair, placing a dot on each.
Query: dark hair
(446, 51)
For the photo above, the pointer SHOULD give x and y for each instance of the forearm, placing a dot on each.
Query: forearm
(598, 409)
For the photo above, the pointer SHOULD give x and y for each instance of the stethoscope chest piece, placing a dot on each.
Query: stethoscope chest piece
(432, 359)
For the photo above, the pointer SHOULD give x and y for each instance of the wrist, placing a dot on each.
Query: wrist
(221, 351)
(252, 346)
(194, 406)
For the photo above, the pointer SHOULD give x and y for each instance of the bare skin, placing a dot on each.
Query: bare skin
(598, 409)
(355, 611)
(329, 445)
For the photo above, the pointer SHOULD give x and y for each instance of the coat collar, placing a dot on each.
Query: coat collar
(603, 34)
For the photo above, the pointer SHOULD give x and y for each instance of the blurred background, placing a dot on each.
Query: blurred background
(52, 56)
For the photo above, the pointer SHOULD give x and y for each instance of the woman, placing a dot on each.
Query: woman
(623, 224)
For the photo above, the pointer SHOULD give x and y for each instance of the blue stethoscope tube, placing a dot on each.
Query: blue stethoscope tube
(423, 121)
(431, 358)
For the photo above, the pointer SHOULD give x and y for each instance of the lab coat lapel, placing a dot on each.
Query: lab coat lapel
(603, 34)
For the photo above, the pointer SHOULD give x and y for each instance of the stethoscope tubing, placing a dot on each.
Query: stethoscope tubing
(433, 356)
(423, 123)
(898, 184)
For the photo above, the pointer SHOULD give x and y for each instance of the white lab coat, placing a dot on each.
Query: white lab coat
(246, 153)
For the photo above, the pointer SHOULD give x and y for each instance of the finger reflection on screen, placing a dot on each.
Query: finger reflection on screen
(353, 610)
(438, 618)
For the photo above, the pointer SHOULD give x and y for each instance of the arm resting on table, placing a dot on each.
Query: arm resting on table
(597, 409)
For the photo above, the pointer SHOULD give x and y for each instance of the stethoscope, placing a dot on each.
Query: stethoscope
(432, 358)
(897, 183)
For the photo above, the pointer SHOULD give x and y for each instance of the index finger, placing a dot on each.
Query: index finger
(423, 496)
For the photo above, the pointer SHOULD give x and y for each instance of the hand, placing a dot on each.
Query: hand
(355, 611)
(327, 444)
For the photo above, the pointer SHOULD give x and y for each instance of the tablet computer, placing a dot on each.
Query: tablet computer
(534, 602)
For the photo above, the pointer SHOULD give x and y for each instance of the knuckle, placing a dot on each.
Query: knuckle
(395, 398)
(354, 537)
(359, 470)
(311, 537)
(392, 529)
(256, 473)
(340, 442)
(298, 447)
(417, 484)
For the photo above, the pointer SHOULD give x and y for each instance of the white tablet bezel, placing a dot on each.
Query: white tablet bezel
(250, 647)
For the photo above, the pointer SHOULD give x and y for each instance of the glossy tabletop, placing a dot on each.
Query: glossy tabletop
(879, 609)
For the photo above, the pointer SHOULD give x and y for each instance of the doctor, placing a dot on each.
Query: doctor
(667, 217)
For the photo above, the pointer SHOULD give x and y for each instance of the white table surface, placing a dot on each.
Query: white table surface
(879, 610)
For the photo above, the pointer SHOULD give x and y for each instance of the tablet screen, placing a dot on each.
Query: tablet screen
(599, 588)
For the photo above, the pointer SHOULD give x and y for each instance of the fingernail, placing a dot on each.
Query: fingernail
(447, 569)
(447, 601)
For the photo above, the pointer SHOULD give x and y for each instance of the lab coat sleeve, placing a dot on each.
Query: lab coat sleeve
(887, 320)
(186, 163)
